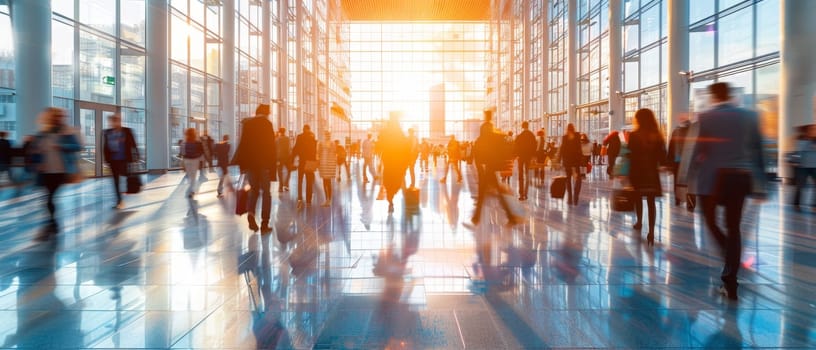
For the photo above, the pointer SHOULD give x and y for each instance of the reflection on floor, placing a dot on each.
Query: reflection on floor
(168, 272)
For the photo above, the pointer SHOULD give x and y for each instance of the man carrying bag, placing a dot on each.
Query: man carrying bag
(120, 150)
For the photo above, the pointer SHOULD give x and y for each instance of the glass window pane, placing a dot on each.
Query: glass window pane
(768, 21)
(178, 91)
(631, 37)
(699, 9)
(197, 47)
(178, 39)
(767, 96)
(631, 76)
(650, 26)
(180, 5)
(650, 67)
(97, 80)
(736, 37)
(214, 58)
(725, 4)
(99, 14)
(742, 88)
(133, 80)
(198, 90)
(63, 7)
(132, 21)
(135, 119)
(701, 50)
(62, 59)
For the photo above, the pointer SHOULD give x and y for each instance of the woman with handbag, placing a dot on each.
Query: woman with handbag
(191, 152)
(55, 148)
(327, 158)
(647, 152)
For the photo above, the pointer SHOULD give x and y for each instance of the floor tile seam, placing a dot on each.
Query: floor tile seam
(200, 322)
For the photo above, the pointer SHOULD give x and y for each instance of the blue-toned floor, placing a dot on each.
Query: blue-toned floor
(166, 272)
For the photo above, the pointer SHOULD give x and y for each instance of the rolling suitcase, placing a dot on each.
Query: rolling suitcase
(134, 184)
(558, 187)
(411, 199)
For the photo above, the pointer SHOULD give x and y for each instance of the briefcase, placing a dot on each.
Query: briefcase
(411, 199)
(623, 199)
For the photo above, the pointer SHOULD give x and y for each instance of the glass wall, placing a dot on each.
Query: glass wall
(405, 66)
(593, 68)
(7, 104)
(98, 62)
(737, 41)
(645, 58)
(558, 66)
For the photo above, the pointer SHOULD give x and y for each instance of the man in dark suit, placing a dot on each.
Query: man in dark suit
(525, 149)
(257, 157)
(119, 147)
(728, 162)
(305, 150)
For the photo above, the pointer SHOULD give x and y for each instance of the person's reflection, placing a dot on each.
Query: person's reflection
(196, 230)
(43, 320)
(395, 324)
(729, 335)
(451, 203)
(269, 331)
(366, 198)
(285, 220)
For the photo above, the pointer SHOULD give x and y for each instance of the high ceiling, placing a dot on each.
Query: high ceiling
(416, 10)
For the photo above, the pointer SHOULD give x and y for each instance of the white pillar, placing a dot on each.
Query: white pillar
(228, 121)
(158, 89)
(527, 92)
(266, 56)
(299, 79)
(678, 94)
(31, 24)
(572, 57)
(797, 87)
(283, 64)
(616, 112)
(545, 64)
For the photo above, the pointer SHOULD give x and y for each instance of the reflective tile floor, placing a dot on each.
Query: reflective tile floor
(168, 272)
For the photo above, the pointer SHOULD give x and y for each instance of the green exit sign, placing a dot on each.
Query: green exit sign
(108, 80)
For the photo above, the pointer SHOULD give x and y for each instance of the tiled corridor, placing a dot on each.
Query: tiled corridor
(166, 272)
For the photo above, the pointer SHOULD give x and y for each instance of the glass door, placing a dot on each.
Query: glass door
(92, 118)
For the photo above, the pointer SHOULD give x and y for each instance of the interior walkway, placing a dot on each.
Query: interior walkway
(166, 272)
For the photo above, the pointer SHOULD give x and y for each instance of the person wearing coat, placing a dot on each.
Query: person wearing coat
(647, 151)
(572, 158)
(257, 157)
(525, 149)
(612, 143)
(806, 149)
(305, 150)
(728, 166)
(327, 160)
(119, 150)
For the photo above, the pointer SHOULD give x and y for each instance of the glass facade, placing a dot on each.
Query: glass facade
(7, 97)
(432, 73)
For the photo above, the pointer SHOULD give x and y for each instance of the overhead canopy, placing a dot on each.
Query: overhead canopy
(416, 10)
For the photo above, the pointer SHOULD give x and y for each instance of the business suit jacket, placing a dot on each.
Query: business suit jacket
(131, 151)
(256, 150)
(728, 138)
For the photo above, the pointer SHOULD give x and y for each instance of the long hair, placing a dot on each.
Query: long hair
(190, 135)
(647, 124)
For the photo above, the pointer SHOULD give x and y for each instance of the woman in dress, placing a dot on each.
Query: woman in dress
(647, 152)
(327, 158)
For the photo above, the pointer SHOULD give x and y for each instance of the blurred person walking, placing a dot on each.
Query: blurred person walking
(647, 152)
(395, 159)
(413, 153)
(806, 169)
(612, 142)
(729, 166)
(454, 157)
(489, 159)
(525, 150)
(119, 150)
(327, 158)
(368, 159)
(257, 157)
(209, 147)
(342, 161)
(284, 148)
(221, 153)
(673, 159)
(572, 158)
(192, 150)
(306, 151)
(55, 150)
(5, 156)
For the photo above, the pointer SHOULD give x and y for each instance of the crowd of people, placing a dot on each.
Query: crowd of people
(716, 159)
